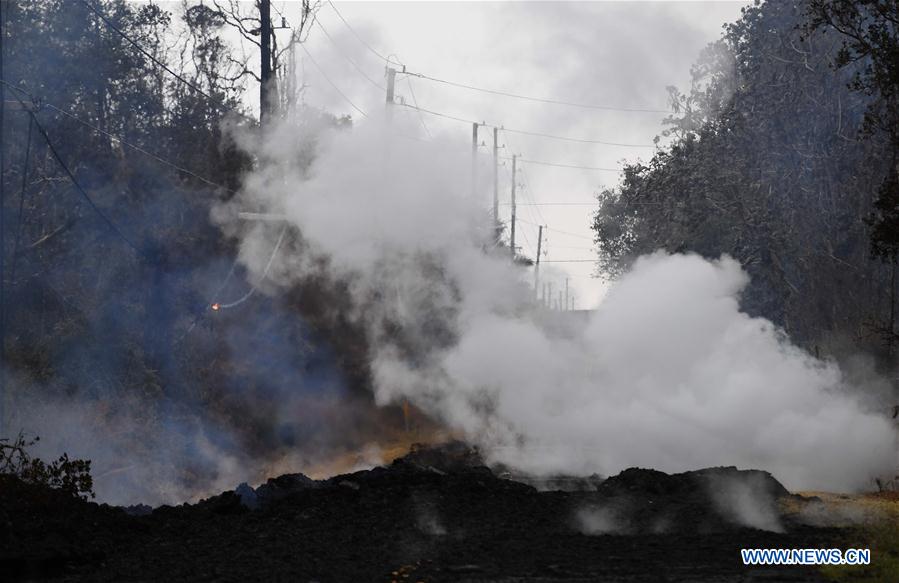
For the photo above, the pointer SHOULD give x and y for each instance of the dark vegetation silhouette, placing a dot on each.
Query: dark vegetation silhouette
(71, 476)
(783, 155)
(108, 322)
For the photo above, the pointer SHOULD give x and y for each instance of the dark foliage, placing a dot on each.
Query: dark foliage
(71, 476)
(120, 332)
(770, 163)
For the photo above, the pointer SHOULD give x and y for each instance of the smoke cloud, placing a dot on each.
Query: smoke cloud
(668, 373)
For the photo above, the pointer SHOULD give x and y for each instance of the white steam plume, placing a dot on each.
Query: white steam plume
(668, 373)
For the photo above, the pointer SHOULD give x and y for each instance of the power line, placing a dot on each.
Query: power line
(415, 101)
(359, 38)
(18, 238)
(537, 99)
(446, 115)
(254, 287)
(578, 140)
(574, 166)
(78, 186)
(118, 139)
(579, 247)
(552, 203)
(351, 61)
(149, 55)
(331, 83)
(528, 189)
(522, 132)
(564, 232)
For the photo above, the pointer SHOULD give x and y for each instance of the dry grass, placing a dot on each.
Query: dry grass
(872, 521)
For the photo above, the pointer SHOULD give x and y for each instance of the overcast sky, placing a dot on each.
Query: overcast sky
(618, 54)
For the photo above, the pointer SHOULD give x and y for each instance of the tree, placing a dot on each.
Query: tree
(766, 163)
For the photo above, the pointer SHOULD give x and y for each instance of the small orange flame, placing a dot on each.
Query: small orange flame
(216, 306)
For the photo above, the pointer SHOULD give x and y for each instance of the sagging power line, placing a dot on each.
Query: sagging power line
(331, 83)
(35, 101)
(509, 94)
(522, 132)
(150, 56)
(537, 99)
(97, 210)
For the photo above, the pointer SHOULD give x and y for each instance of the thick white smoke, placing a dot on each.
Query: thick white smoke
(668, 373)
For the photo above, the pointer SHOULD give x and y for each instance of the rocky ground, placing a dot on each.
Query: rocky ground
(434, 515)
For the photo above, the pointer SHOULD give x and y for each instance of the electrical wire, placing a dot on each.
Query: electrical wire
(345, 56)
(574, 166)
(552, 203)
(535, 211)
(18, 239)
(578, 140)
(359, 38)
(151, 57)
(537, 99)
(415, 101)
(522, 132)
(566, 233)
(118, 139)
(112, 226)
(331, 83)
(254, 287)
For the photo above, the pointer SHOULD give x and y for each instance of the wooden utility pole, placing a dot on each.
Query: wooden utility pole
(391, 87)
(566, 293)
(265, 45)
(3, 8)
(537, 263)
(512, 222)
(474, 159)
(496, 184)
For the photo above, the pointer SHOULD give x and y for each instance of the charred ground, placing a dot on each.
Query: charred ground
(429, 516)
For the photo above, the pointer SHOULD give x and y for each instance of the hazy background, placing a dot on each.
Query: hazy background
(617, 54)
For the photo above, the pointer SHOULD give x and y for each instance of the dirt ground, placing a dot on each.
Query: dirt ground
(426, 517)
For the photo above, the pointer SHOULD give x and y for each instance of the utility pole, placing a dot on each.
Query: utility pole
(3, 7)
(537, 264)
(566, 294)
(265, 45)
(496, 183)
(474, 159)
(391, 85)
(512, 225)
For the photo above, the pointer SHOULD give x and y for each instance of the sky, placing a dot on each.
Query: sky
(615, 54)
